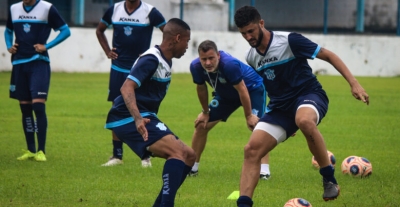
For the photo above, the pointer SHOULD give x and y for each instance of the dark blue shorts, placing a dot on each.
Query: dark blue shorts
(30, 80)
(129, 135)
(117, 79)
(221, 108)
(286, 119)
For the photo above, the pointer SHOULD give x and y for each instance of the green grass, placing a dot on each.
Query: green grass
(78, 144)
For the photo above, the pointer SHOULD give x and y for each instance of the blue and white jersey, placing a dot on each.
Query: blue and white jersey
(152, 73)
(132, 32)
(230, 72)
(284, 67)
(32, 26)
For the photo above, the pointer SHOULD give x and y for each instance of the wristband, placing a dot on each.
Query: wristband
(205, 112)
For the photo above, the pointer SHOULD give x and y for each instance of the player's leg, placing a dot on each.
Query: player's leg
(19, 89)
(258, 99)
(180, 159)
(39, 84)
(199, 141)
(115, 82)
(308, 115)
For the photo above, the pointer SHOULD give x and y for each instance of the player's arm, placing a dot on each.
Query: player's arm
(9, 35)
(246, 104)
(356, 89)
(64, 34)
(202, 94)
(101, 28)
(128, 93)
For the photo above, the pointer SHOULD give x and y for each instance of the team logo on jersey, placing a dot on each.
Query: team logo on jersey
(128, 30)
(161, 126)
(266, 60)
(254, 111)
(27, 27)
(12, 88)
(222, 80)
(269, 74)
(124, 19)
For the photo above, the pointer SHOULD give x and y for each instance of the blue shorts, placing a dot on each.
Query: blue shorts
(286, 119)
(221, 109)
(129, 135)
(117, 79)
(30, 80)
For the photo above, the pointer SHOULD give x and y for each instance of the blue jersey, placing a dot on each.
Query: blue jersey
(152, 73)
(285, 69)
(230, 72)
(32, 26)
(132, 32)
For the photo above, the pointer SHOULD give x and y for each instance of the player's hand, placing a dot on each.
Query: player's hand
(40, 48)
(141, 127)
(202, 118)
(359, 93)
(251, 121)
(112, 54)
(13, 49)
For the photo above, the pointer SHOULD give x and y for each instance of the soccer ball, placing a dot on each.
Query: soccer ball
(357, 166)
(297, 202)
(345, 167)
(331, 158)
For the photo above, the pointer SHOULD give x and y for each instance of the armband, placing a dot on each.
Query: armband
(205, 112)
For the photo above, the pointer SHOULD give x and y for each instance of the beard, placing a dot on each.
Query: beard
(260, 37)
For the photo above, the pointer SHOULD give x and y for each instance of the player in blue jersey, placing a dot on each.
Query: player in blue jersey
(234, 84)
(297, 100)
(133, 117)
(133, 22)
(31, 21)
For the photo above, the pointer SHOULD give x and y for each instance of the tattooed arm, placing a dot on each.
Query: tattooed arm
(128, 93)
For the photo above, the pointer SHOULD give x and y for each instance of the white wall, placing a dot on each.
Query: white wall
(364, 55)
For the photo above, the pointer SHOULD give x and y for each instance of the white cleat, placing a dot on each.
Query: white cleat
(146, 162)
(113, 161)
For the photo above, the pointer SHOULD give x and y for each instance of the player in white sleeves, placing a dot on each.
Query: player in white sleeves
(133, 22)
(297, 100)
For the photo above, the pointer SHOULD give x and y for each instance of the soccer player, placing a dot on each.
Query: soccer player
(297, 100)
(133, 117)
(234, 84)
(31, 21)
(133, 22)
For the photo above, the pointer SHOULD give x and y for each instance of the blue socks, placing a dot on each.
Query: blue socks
(41, 124)
(28, 125)
(117, 149)
(244, 201)
(328, 173)
(172, 176)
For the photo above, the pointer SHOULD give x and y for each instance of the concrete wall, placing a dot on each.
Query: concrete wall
(364, 55)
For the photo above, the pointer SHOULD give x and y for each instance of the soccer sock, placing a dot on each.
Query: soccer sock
(28, 126)
(265, 169)
(195, 166)
(172, 179)
(328, 173)
(186, 171)
(41, 123)
(117, 149)
(244, 201)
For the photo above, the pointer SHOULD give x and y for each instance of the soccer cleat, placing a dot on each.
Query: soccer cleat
(113, 161)
(27, 155)
(265, 176)
(40, 157)
(193, 173)
(146, 162)
(331, 190)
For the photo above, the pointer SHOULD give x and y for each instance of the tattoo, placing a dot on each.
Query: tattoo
(312, 139)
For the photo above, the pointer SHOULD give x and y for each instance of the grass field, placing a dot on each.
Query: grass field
(78, 144)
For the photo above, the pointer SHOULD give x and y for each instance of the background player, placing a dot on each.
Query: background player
(297, 100)
(133, 22)
(31, 21)
(133, 117)
(234, 84)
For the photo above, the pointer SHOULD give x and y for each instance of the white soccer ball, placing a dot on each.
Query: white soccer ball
(356, 166)
(331, 156)
(297, 202)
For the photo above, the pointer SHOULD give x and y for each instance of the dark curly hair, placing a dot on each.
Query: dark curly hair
(246, 15)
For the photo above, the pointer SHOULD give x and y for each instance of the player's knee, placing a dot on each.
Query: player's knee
(249, 151)
(190, 156)
(305, 123)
